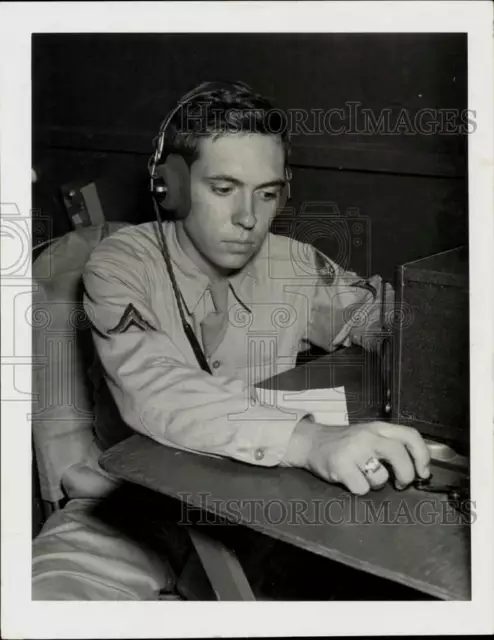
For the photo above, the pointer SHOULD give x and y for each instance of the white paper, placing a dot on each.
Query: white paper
(327, 406)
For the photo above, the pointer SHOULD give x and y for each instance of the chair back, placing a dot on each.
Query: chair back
(63, 354)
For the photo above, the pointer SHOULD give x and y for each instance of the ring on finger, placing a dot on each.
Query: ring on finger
(376, 473)
(372, 466)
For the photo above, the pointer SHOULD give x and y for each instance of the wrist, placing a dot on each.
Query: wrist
(300, 444)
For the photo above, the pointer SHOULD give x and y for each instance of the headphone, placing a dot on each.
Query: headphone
(170, 180)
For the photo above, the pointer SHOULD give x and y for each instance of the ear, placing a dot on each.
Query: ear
(286, 191)
(284, 196)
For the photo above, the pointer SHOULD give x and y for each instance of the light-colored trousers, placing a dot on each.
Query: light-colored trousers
(78, 557)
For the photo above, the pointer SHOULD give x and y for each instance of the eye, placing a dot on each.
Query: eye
(269, 195)
(222, 190)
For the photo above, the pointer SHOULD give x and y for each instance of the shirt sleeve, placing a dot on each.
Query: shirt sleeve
(347, 309)
(159, 393)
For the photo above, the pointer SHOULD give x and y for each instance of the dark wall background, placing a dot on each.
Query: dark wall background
(370, 201)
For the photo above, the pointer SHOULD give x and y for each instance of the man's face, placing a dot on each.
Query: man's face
(235, 190)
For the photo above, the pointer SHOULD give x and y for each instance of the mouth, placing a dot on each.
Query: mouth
(237, 246)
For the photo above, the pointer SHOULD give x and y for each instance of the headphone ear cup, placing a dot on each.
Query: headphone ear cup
(175, 173)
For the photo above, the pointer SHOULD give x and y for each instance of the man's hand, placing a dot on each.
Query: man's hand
(342, 454)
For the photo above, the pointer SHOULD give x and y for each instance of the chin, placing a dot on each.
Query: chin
(233, 262)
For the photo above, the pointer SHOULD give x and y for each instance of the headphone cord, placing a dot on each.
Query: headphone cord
(189, 332)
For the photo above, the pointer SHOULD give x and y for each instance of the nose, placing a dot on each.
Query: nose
(244, 214)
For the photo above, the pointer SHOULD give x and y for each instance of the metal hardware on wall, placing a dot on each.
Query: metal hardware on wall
(82, 204)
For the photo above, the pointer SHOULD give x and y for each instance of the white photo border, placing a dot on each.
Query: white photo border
(26, 619)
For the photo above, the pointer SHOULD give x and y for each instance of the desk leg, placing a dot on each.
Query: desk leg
(222, 568)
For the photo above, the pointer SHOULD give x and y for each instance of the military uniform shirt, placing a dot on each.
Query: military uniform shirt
(287, 296)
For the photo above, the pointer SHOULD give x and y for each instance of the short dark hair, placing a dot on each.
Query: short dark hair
(213, 109)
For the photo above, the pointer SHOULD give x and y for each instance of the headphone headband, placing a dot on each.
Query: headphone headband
(210, 86)
(204, 89)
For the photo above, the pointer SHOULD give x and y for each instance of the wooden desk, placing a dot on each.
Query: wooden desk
(416, 539)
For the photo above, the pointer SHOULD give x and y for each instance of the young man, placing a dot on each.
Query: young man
(252, 300)
(223, 249)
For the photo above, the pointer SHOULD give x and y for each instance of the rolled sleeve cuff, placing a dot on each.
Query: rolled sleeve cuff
(263, 434)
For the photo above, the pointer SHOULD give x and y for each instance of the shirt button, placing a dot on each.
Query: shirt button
(259, 454)
(216, 364)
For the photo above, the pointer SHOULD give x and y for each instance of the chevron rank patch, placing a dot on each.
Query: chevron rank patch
(131, 318)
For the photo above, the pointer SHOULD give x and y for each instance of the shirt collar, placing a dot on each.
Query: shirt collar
(192, 282)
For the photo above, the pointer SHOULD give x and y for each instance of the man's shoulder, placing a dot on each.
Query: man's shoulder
(127, 246)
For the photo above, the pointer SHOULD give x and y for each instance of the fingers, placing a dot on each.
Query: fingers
(414, 443)
(351, 476)
(357, 480)
(396, 454)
